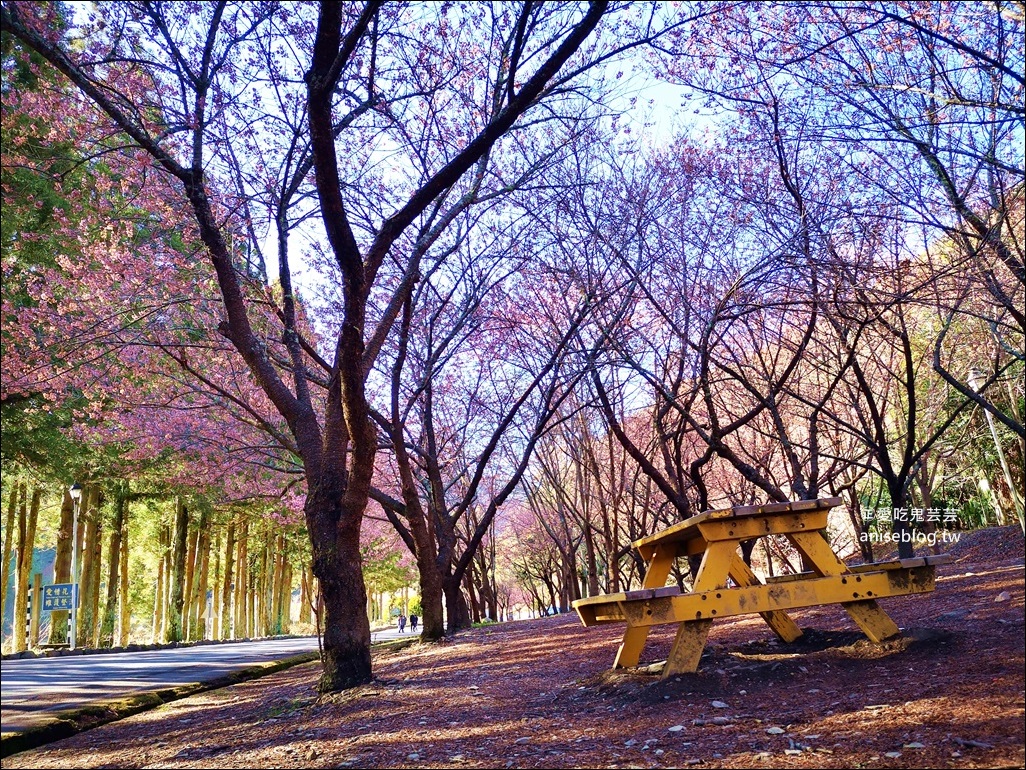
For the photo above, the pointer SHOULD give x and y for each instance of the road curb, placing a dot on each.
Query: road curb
(64, 724)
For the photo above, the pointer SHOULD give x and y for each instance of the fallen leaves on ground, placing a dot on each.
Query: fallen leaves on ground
(539, 694)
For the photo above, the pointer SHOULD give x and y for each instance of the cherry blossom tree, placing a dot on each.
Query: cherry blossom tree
(189, 87)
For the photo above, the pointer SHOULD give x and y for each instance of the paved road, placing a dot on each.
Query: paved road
(33, 690)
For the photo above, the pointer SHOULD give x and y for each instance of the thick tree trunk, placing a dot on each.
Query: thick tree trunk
(26, 546)
(901, 529)
(113, 574)
(265, 588)
(97, 580)
(239, 629)
(176, 601)
(457, 611)
(592, 560)
(190, 579)
(12, 509)
(473, 597)
(283, 601)
(553, 591)
(226, 586)
(337, 563)
(252, 605)
(125, 618)
(275, 577)
(215, 589)
(286, 589)
(200, 570)
(201, 580)
(160, 591)
(36, 613)
(432, 618)
(62, 567)
(91, 553)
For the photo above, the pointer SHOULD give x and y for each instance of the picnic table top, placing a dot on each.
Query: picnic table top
(689, 528)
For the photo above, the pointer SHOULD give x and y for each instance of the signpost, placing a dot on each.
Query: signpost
(60, 596)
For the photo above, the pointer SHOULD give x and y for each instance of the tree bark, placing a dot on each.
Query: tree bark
(176, 601)
(337, 563)
(200, 570)
(265, 593)
(190, 579)
(62, 567)
(125, 618)
(26, 546)
(97, 577)
(901, 529)
(456, 608)
(226, 586)
(160, 591)
(113, 572)
(90, 550)
(12, 509)
(240, 628)
(215, 589)
(198, 629)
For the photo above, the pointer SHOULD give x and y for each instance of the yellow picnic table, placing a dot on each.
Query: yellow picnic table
(725, 586)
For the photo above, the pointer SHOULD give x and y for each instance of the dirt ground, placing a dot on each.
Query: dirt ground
(538, 694)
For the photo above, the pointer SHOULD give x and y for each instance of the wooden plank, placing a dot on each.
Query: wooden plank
(689, 544)
(753, 527)
(660, 563)
(666, 591)
(874, 622)
(778, 620)
(687, 529)
(587, 615)
(817, 551)
(713, 573)
(644, 593)
(649, 593)
(599, 599)
(918, 561)
(907, 563)
(687, 648)
(730, 602)
(796, 506)
(629, 652)
(876, 566)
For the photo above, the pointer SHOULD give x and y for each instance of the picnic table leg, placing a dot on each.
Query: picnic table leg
(867, 614)
(687, 647)
(781, 623)
(874, 622)
(692, 634)
(634, 638)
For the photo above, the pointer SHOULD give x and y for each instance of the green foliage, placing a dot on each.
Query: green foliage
(976, 513)
(384, 573)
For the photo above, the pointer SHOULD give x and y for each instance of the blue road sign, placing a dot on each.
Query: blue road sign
(60, 596)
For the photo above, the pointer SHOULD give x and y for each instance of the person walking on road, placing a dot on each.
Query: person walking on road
(402, 623)
(413, 624)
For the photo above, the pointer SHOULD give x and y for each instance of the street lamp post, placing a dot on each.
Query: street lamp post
(976, 380)
(76, 497)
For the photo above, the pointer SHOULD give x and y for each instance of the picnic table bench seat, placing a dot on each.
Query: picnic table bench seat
(873, 566)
